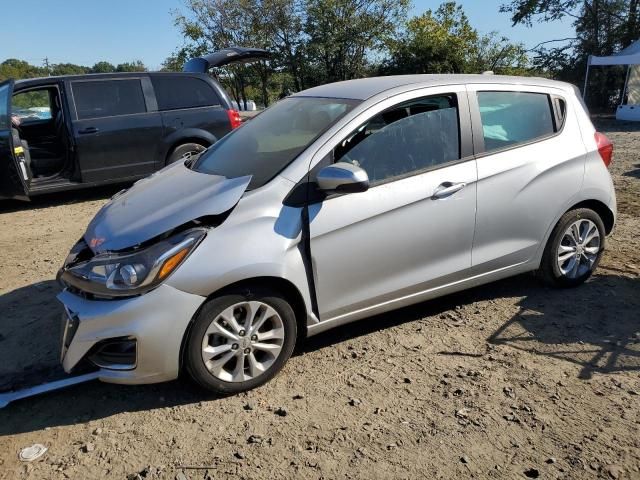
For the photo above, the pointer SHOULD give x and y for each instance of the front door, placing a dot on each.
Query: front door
(116, 133)
(413, 229)
(13, 172)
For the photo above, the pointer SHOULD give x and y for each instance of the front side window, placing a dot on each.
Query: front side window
(511, 118)
(32, 106)
(269, 142)
(108, 98)
(405, 139)
(175, 91)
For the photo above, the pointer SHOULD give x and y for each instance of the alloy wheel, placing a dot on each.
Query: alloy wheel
(578, 249)
(243, 341)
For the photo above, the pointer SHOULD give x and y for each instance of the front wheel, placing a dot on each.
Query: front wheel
(240, 340)
(574, 249)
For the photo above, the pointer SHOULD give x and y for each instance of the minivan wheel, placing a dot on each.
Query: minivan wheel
(240, 340)
(185, 151)
(574, 249)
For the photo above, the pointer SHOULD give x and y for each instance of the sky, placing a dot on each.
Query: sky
(86, 31)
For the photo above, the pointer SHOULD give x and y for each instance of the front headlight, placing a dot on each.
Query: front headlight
(132, 273)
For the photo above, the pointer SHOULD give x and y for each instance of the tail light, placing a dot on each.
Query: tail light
(605, 148)
(234, 118)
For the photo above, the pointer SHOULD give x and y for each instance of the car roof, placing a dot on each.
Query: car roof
(364, 88)
(94, 76)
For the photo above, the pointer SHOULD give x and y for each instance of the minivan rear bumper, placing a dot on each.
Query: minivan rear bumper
(155, 323)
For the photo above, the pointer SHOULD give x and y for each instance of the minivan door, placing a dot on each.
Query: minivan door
(13, 175)
(116, 128)
(412, 230)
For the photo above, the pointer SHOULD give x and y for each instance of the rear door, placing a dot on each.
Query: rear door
(188, 106)
(13, 174)
(530, 165)
(225, 57)
(116, 128)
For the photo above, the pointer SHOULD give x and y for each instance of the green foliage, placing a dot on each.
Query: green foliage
(602, 27)
(68, 69)
(14, 68)
(445, 42)
(103, 67)
(17, 69)
(313, 41)
(135, 66)
(342, 33)
(31, 99)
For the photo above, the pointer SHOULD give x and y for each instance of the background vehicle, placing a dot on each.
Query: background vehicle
(336, 204)
(84, 130)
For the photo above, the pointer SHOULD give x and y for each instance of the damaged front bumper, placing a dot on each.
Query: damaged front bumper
(133, 340)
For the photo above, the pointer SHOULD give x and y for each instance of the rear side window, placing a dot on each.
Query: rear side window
(108, 98)
(511, 118)
(405, 139)
(175, 92)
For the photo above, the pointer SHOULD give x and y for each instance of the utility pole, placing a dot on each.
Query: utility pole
(46, 65)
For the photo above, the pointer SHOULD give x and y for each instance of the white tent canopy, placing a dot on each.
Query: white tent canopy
(630, 57)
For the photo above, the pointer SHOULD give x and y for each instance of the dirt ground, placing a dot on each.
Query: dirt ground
(510, 380)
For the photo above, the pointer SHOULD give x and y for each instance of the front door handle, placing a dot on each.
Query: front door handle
(87, 130)
(446, 189)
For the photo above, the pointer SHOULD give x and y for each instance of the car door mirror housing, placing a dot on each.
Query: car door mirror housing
(342, 177)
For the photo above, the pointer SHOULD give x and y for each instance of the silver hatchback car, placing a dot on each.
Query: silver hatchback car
(335, 204)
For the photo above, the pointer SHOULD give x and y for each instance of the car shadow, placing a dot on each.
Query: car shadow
(62, 198)
(615, 126)
(633, 173)
(593, 326)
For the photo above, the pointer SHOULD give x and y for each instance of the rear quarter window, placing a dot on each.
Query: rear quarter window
(108, 98)
(175, 92)
(512, 118)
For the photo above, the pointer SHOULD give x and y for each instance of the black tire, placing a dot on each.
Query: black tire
(549, 270)
(194, 363)
(185, 150)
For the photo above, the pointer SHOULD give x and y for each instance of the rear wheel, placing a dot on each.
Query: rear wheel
(240, 340)
(185, 151)
(574, 249)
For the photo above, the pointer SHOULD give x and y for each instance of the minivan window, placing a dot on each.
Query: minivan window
(510, 118)
(405, 139)
(175, 91)
(108, 98)
(269, 142)
(32, 106)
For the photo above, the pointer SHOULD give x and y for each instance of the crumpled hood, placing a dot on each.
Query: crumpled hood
(159, 203)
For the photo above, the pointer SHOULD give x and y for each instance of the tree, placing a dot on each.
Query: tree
(68, 69)
(211, 25)
(343, 33)
(445, 42)
(103, 67)
(602, 27)
(14, 68)
(135, 66)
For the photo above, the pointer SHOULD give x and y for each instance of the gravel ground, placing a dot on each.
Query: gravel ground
(509, 380)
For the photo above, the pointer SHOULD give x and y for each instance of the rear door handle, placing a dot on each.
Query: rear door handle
(446, 189)
(87, 130)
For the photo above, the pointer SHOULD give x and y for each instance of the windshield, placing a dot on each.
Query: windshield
(272, 140)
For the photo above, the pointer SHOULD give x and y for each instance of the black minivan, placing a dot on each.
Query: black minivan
(61, 133)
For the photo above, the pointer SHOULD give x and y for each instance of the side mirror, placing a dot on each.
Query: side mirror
(342, 177)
